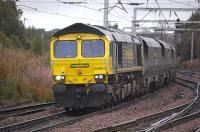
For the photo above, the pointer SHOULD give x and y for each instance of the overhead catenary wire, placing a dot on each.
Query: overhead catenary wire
(182, 3)
(28, 7)
(162, 13)
(59, 1)
(59, 14)
(124, 18)
(164, 19)
(146, 14)
(116, 12)
(176, 15)
(101, 3)
(95, 10)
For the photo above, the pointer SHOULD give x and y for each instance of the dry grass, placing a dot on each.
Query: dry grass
(27, 75)
(193, 65)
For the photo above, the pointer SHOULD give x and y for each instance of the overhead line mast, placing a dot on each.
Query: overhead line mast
(134, 23)
(107, 9)
(105, 18)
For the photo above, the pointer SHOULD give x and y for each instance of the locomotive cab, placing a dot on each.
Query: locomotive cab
(79, 61)
(80, 65)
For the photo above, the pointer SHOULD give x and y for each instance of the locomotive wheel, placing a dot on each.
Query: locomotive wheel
(152, 86)
(166, 81)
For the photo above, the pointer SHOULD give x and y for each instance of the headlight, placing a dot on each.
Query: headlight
(59, 78)
(99, 77)
(96, 76)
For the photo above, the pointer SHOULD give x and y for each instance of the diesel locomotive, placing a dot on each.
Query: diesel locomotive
(93, 65)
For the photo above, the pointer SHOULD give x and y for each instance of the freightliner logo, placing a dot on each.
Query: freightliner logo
(84, 65)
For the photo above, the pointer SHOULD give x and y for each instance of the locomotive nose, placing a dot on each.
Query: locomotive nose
(78, 71)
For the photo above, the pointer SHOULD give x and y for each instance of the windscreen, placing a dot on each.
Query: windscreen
(65, 49)
(93, 48)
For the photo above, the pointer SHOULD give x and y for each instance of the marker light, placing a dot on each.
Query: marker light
(78, 36)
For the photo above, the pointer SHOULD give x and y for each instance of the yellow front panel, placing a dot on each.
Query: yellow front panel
(80, 70)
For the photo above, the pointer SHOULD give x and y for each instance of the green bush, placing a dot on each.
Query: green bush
(4, 40)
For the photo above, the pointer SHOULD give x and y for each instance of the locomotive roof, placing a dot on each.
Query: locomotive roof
(111, 34)
(173, 47)
(151, 42)
(166, 45)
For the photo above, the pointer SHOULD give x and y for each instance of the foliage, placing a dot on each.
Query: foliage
(115, 26)
(198, 47)
(4, 40)
(26, 75)
(192, 65)
(9, 18)
(14, 35)
(10, 23)
(36, 41)
(184, 45)
(24, 60)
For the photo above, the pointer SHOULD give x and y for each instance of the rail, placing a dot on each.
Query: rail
(178, 121)
(198, 130)
(17, 104)
(24, 110)
(28, 123)
(181, 119)
(176, 115)
(68, 122)
(189, 73)
(132, 123)
(63, 123)
(34, 125)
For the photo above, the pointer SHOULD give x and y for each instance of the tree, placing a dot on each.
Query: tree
(37, 45)
(4, 40)
(115, 26)
(10, 23)
(185, 44)
(13, 33)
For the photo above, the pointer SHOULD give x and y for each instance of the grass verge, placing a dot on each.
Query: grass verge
(192, 65)
(27, 76)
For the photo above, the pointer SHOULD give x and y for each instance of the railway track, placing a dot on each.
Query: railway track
(189, 73)
(178, 121)
(33, 122)
(165, 116)
(68, 120)
(198, 130)
(178, 115)
(60, 119)
(71, 121)
(62, 123)
(46, 122)
(24, 110)
(13, 105)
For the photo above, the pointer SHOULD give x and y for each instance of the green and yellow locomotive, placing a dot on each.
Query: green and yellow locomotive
(93, 66)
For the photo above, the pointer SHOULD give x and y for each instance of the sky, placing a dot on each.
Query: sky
(51, 14)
